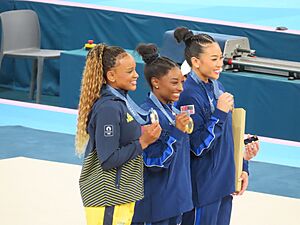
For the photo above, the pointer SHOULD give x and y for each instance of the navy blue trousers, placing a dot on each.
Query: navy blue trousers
(171, 221)
(216, 213)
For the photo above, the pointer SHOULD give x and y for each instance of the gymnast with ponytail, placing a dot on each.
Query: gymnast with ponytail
(212, 148)
(111, 134)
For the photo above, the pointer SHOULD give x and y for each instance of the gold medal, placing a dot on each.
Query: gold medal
(190, 126)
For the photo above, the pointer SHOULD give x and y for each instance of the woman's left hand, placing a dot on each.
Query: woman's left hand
(244, 178)
(251, 149)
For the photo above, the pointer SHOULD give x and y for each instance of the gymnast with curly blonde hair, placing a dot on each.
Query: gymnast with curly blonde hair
(109, 135)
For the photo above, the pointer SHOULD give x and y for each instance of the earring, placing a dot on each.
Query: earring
(113, 80)
(156, 87)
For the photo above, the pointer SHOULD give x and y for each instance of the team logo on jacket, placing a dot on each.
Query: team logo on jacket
(129, 118)
(108, 130)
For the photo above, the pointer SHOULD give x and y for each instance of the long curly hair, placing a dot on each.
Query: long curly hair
(99, 60)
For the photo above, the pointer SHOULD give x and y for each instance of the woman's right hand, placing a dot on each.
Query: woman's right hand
(150, 133)
(225, 102)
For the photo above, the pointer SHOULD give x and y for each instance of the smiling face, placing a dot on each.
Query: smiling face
(123, 75)
(167, 88)
(209, 63)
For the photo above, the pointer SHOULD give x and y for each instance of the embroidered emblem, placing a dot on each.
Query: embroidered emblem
(129, 118)
(108, 130)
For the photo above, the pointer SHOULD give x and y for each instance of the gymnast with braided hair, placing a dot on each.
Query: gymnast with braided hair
(109, 135)
(212, 148)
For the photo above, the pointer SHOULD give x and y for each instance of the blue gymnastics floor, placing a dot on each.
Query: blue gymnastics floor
(49, 135)
(39, 173)
(65, 123)
(271, 13)
(38, 119)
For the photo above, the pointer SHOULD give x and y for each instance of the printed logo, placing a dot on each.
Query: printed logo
(108, 130)
(129, 118)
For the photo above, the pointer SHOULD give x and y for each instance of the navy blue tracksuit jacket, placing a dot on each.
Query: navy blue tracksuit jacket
(212, 157)
(167, 179)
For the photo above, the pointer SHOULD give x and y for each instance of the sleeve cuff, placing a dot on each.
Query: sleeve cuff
(245, 166)
(164, 136)
(220, 115)
(164, 160)
(138, 147)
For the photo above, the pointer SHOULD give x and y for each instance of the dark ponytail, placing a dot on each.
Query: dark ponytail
(194, 44)
(183, 34)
